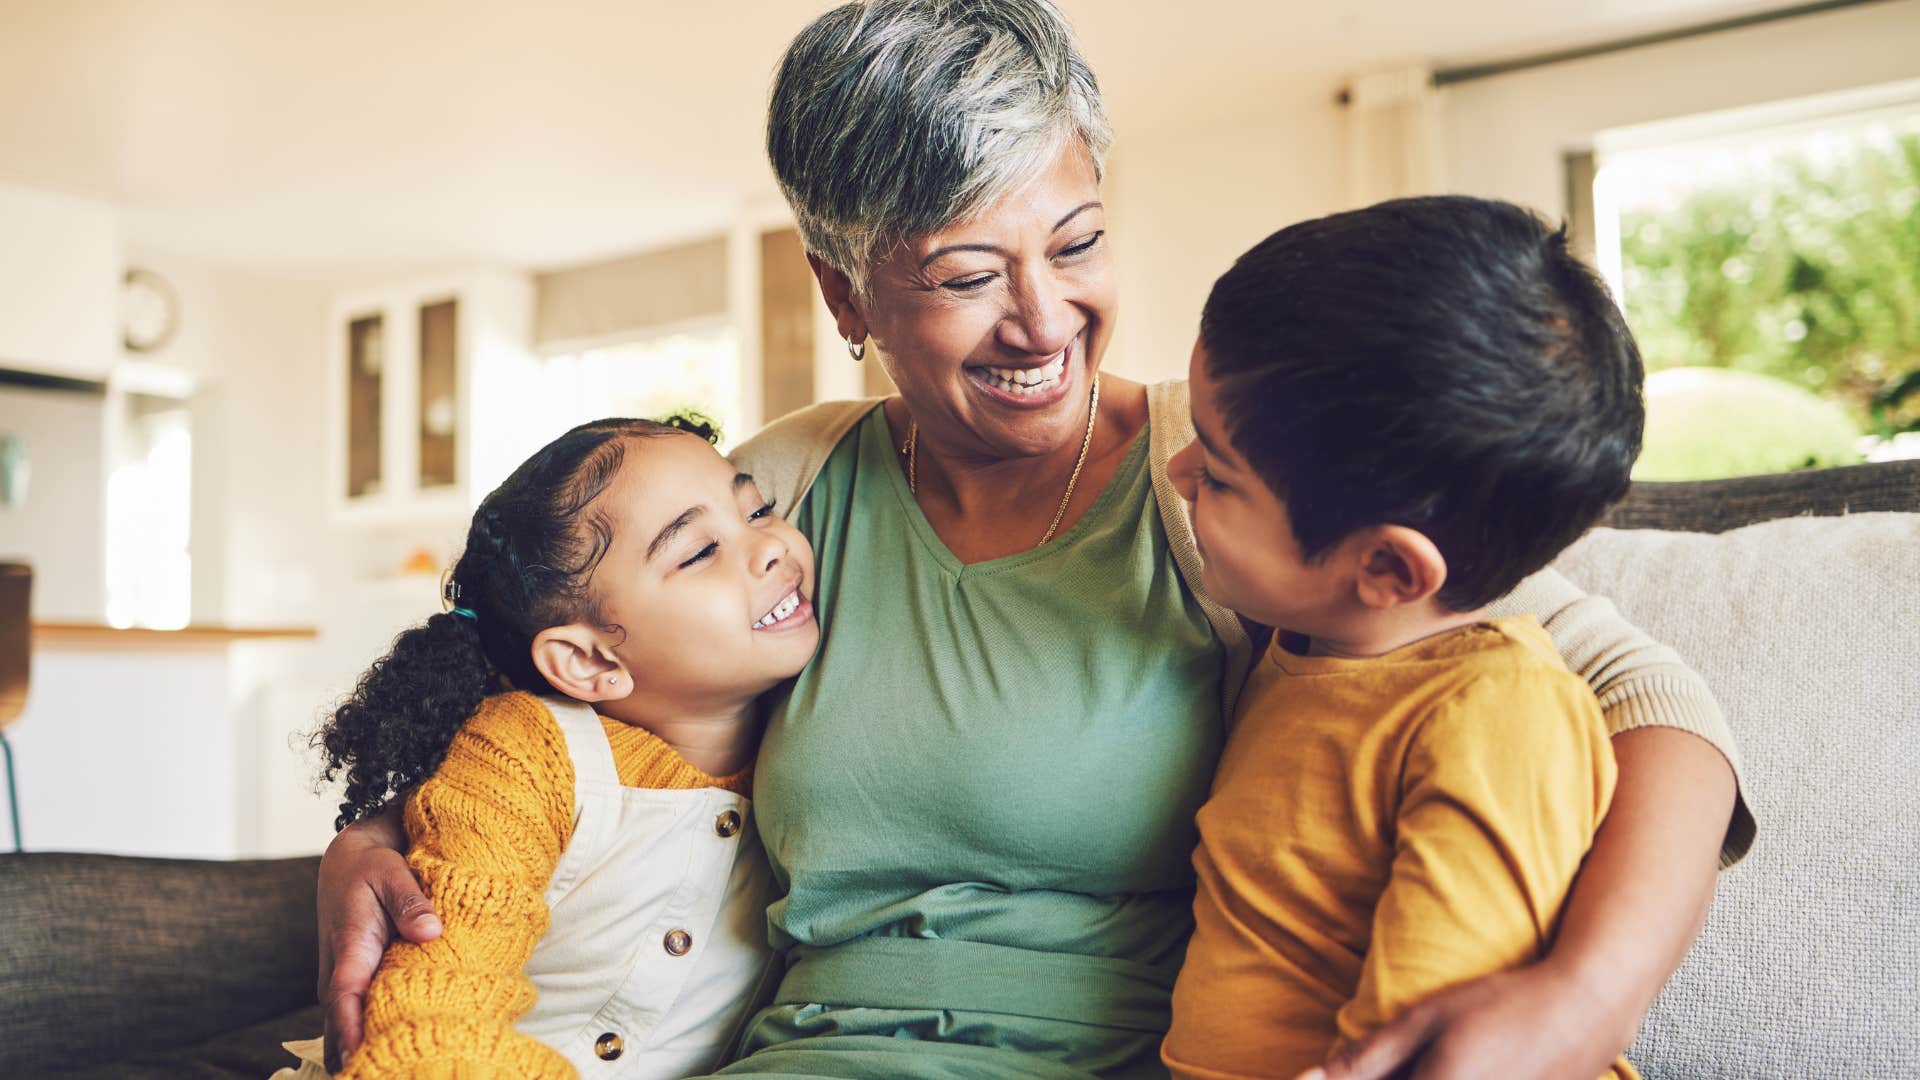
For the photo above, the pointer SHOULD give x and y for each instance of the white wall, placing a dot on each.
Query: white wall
(127, 752)
(267, 549)
(1182, 205)
(255, 346)
(1505, 136)
(60, 271)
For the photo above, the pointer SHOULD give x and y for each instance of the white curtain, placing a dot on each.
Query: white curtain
(1393, 135)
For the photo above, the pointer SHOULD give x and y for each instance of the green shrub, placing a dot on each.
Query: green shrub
(1707, 423)
(1807, 270)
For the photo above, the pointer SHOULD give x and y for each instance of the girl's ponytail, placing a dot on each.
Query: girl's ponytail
(393, 732)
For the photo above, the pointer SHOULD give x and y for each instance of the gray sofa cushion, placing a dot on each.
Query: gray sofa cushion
(249, 1053)
(107, 957)
(1808, 630)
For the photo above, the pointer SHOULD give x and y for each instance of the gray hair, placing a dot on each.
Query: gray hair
(895, 117)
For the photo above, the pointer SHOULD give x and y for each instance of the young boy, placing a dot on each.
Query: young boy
(1402, 411)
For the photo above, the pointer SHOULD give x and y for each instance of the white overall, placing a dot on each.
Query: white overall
(658, 945)
(657, 949)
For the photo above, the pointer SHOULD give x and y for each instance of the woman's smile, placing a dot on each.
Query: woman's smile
(1032, 387)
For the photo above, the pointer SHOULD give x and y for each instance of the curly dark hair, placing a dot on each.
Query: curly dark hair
(529, 558)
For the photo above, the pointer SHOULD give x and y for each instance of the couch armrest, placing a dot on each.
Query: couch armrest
(122, 955)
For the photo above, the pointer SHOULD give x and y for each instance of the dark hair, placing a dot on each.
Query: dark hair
(1441, 363)
(530, 556)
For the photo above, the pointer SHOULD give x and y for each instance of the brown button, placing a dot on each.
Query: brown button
(728, 823)
(608, 1046)
(678, 942)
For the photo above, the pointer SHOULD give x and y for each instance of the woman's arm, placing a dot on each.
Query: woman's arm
(1642, 896)
(1642, 893)
(1646, 886)
(366, 894)
(1501, 794)
(1639, 682)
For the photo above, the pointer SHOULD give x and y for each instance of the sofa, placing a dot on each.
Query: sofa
(1796, 596)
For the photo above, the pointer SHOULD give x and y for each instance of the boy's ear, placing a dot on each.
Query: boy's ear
(575, 661)
(1396, 565)
(836, 289)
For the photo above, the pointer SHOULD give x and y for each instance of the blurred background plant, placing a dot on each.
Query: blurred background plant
(1798, 267)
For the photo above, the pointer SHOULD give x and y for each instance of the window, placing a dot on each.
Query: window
(1771, 272)
(149, 501)
(693, 369)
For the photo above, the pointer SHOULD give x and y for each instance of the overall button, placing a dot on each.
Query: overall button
(728, 823)
(608, 1046)
(678, 942)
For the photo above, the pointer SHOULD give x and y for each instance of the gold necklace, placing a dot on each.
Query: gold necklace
(1086, 442)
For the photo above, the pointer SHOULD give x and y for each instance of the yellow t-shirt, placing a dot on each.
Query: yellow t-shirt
(1379, 830)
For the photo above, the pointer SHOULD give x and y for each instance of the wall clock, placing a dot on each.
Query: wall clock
(149, 310)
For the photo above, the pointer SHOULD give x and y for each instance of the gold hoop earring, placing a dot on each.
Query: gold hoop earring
(857, 350)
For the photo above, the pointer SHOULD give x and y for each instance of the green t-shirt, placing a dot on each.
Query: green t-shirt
(984, 785)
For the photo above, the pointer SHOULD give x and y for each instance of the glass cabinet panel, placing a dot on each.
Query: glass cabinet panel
(439, 393)
(366, 363)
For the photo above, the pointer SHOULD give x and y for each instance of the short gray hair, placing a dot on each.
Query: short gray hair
(895, 117)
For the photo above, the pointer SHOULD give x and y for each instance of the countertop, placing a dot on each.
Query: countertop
(199, 636)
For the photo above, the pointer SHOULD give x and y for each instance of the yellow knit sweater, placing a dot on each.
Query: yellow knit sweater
(487, 832)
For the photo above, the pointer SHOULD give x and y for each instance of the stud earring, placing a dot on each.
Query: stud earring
(613, 680)
(857, 351)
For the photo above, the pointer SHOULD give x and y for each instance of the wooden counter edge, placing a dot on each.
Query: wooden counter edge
(101, 636)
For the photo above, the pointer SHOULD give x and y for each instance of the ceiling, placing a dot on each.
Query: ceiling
(375, 133)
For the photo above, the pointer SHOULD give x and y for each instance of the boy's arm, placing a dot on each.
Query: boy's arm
(1503, 788)
(487, 833)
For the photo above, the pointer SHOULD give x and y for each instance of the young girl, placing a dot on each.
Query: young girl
(584, 836)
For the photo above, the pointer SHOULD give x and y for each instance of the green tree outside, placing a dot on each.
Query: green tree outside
(1809, 273)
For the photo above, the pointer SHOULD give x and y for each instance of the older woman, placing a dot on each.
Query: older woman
(979, 799)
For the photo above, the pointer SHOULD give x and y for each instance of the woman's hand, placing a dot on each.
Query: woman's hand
(1534, 1022)
(366, 893)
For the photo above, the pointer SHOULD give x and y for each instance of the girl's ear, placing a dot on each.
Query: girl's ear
(1396, 565)
(575, 661)
(836, 289)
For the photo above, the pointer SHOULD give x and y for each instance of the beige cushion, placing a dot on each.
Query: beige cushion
(1808, 630)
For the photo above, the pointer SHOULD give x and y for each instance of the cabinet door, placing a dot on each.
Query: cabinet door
(410, 359)
(366, 391)
(439, 397)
